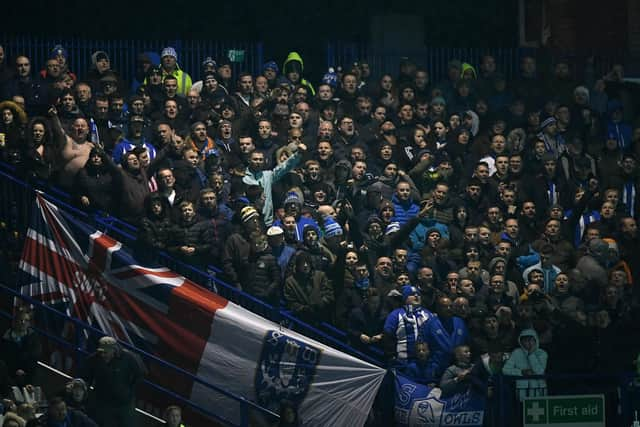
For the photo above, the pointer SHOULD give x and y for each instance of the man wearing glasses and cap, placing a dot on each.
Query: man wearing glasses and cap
(113, 373)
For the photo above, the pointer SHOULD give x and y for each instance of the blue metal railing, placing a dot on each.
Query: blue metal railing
(81, 353)
(122, 53)
(21, 197)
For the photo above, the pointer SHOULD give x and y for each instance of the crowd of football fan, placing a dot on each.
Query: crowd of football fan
(475, 219)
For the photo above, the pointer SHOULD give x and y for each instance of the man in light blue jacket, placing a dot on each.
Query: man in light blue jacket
(255, 175)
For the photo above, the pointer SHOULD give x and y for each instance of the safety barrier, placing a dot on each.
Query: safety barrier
(245, 56)
(435, 59)
(14, 214)
(85, 334)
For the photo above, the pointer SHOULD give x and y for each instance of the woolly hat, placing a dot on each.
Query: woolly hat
(98, 55)
(393, 227)
(330, 78)
(374, 219)
(58, 50)
(307, 229)
(331, 227)
(169, 51)
(548, 122)
(409, 290)
(209, 62)
(386, 204)
(292, 197)
(247, 213)
(270, 65)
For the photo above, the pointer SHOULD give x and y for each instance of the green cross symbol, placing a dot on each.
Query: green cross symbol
(535, 412)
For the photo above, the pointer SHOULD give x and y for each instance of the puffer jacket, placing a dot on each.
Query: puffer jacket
(194, 233)
(262, 278)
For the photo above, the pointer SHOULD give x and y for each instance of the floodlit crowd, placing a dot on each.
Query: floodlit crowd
(468, 227)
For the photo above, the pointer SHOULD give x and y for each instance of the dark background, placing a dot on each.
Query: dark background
(281, 25)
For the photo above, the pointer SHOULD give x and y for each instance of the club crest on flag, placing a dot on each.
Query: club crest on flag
(285, 370)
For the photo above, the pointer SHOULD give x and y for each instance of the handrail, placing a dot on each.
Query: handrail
(145, 381)
(146, 355)
(267, 310)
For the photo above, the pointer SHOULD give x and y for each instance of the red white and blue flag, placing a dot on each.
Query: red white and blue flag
(73, 267)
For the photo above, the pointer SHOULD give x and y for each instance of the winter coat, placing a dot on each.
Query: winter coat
(521, 360)
(442, 342)
(114, 383)
(309, 298)
(262, 278)
(235, 257)
(97, 185)
(194, 233)
(21, 354)
(130, 189)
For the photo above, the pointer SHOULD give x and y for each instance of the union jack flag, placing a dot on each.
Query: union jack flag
(91, 276)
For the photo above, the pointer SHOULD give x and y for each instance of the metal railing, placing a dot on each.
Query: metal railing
(435, 59)
(80, 352)
(123, 53)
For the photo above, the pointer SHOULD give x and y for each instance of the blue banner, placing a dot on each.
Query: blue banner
(418, 405)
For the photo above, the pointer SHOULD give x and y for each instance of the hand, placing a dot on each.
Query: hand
(52, 111)
(512, 209)
(428, 206)
(84, 200)
(579, 194)
(365, 339)
(29, 388)
(376, 338)
(593, 185)
(348, 209)
(302, 147)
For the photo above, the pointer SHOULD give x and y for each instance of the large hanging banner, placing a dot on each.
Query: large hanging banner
(72, 266)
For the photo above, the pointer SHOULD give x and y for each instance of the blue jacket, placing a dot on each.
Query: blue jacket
(441, 342)
(404, 210)
(406, 325)
(419, 234)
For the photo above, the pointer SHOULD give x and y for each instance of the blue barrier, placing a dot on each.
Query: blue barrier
(22, 196)
(123, 53)
(81, 353)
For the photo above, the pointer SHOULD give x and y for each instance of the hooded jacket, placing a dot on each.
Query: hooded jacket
(522, 360)
(294, 57)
